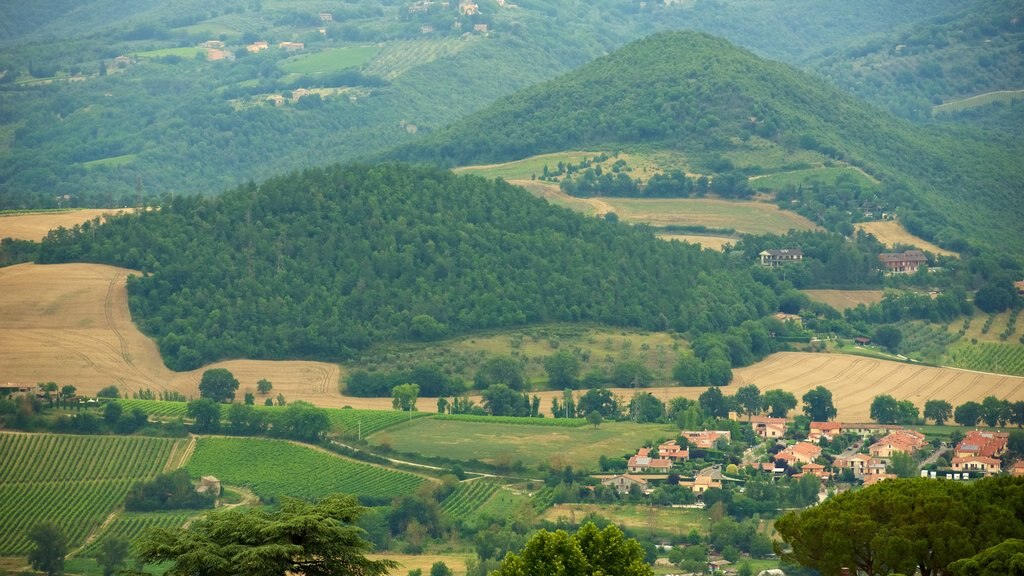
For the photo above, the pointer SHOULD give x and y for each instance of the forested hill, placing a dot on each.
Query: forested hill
(703, 96)
(323, 263)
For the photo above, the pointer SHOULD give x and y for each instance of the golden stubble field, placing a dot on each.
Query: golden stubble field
(34, 226)
(69, 323)
(891, 232)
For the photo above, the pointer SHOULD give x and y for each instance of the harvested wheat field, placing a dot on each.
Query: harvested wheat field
(891, 232)
(709, 242)
(35, 225)
(843, 299)
(69, 323)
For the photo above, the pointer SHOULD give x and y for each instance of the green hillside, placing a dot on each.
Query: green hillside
(706, 98)
(323, 263)
(105, 104)
(975, 50)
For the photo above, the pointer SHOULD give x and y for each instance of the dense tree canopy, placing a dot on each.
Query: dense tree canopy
(588, 552)
(324, 262)
(905, 525)
(300, 538)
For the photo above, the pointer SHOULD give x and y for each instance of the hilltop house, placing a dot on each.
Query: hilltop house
(623, 482)
(642, 462)
(982, 443)
(291, 46)
(766, 427)
(673, 451)
(705, 438)
(902, 262)
(777, 257)
(257, 46)
(799, 453)
(906, 441)
(984, 464)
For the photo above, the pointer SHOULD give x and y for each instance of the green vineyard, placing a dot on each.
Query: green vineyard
(343, 420)
(989, 357)
(467, 498)
(130, 524)
(73, 481)
(273, 468)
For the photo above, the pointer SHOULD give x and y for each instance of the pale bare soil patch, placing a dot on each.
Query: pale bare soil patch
(34, 226)
(891, 232)
(408, 562)
(70, 324)
(711, 242)
(843, 299)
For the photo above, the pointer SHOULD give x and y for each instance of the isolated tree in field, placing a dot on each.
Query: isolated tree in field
(300, 538)
(588, 551)
(995, 411)
(749, 399)
(563, 369)
(249, 399)
(264, 386)
(779, 402)
(938, 410)
(403, 397)
(967, 414)
(440, 569)
(109, 392)
(713, 403)
(112, 554)
(595, 418)
(818, 404)
(890, 337)
(49, 546)
(206, 414)
(885, 409)
(218, 384)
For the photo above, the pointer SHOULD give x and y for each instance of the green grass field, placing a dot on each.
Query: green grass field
(72, 481)
(742, 216)
(331, 60)
(505, 444)
(528, 167)
(824, 175)
(189, 52)
(654, 519)
(273, 468)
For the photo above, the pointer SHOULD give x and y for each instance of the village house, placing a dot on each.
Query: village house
(876, 478)
(777, 257)
(642, 462)
(858, 463)
(257, 46)
(326, 17)
(213, 44)
(982, 443)
(1019, 286)
(906, 441)
(704, 439)
(799, 453)
(482, 28)
(468, 8)
(623, 482)
(212, 54)
(673, 451)
(983, 464)
(209, 485)
(1017, 469)
(813, 469)
(784, 317)
(766, 427)
(902, 262)
(826, 430)
(702, 483)
(291, 46)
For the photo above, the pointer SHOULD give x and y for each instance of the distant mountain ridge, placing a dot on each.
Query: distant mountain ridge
(703, 96)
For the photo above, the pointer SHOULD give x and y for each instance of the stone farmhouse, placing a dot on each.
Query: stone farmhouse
(902, 262)
(778, 256)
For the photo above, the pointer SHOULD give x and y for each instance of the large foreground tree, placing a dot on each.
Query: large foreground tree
(588, 552)
(50, 545)
(904, 526)
(301, 538)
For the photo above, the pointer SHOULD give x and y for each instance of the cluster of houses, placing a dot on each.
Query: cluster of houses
(906, 262)
(975, 455)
